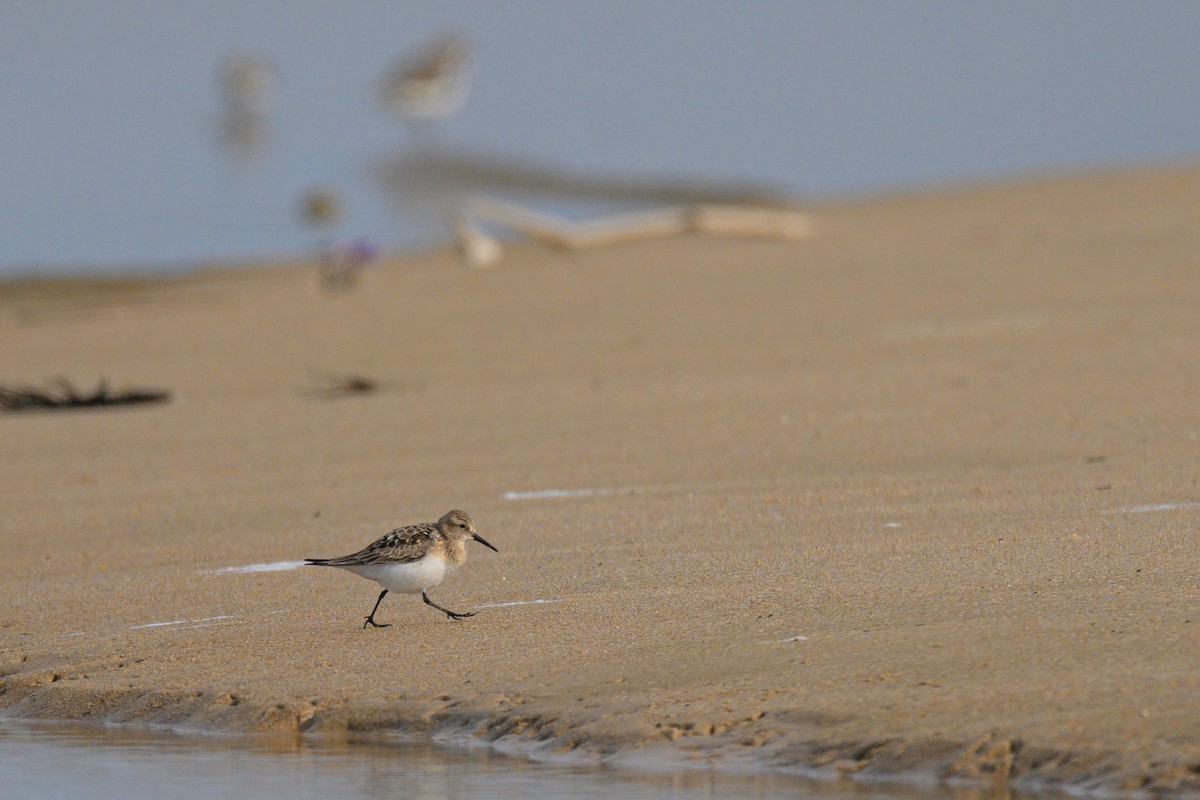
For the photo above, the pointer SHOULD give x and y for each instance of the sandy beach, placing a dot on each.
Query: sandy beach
(915, 498)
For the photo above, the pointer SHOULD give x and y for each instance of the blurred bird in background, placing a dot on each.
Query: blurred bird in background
(431, 85)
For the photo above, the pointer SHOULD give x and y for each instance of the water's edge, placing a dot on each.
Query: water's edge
(994, 763)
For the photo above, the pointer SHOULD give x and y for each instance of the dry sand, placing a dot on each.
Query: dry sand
(918, 497)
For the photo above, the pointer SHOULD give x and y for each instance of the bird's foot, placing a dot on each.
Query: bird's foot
(454, 615)
(371, 621)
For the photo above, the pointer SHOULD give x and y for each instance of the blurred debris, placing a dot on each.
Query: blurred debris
(248, 87)
(454, 184)
(64, 395)
(340, 264)
(433, 84)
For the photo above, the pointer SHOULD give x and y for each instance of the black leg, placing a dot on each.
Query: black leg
(446, 611)
(371, 617)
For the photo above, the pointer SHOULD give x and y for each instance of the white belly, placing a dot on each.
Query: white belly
(410, 578)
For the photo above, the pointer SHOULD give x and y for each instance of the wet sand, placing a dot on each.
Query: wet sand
(918, 497)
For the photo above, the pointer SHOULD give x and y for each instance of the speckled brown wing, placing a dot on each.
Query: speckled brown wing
(398, 547)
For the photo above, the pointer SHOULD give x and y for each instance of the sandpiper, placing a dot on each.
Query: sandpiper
(412, 559)
(432, 85)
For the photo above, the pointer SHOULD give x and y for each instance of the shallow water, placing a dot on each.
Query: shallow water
(39, 761)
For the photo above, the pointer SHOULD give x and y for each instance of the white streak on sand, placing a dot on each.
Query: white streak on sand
(1157, 507)
(180, 622)
(793, 639)
(274, 566)
(543, 494)
(516, 603)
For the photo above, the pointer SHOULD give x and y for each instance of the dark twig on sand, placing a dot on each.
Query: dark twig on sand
(331, 386)
(62, 395)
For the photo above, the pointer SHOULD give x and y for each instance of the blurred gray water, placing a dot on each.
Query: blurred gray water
(121, 146)
(40, 761)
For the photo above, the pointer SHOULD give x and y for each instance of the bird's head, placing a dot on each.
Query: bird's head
(458, 527)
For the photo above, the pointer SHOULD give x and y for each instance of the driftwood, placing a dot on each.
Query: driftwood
(559, 232)
(476, 247)
(64, 396)
(432, 173)
(480, 250)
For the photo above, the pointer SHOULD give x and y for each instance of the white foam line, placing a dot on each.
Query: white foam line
(204, 625)
(159, 624)
(792, 639)
(1157, 507)
(180, 622)
(516, 603)
(543, 494)
(273, 566)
